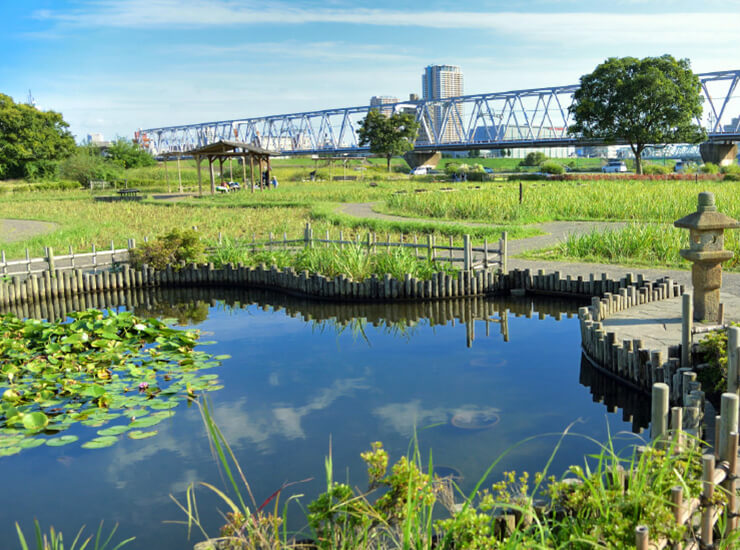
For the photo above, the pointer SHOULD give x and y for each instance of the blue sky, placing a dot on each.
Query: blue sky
(113, 66)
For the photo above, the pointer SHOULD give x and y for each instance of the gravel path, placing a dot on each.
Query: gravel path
(18, 230)
(557, 231)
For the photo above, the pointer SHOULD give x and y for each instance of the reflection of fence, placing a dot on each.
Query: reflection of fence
(72, 260)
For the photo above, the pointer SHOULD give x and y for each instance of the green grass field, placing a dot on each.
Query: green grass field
(297, 200)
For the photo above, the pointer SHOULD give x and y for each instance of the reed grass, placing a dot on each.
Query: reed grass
(352, 260)
(645, 245)
(647, 201)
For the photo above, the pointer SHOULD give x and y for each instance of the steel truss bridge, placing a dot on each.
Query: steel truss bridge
(522, 118)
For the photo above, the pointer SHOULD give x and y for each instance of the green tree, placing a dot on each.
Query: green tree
(535, 158)
(388, 135)
(127, 154)
(31, 141)
(641, 101)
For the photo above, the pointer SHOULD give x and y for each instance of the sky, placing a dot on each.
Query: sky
(113, 66)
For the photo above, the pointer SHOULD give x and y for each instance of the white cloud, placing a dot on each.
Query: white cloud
(654, 28)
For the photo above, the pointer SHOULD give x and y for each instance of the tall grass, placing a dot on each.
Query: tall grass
(653, 201)
(647, 245)
(352, 260)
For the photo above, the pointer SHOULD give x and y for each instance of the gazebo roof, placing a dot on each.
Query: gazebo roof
(228, 148)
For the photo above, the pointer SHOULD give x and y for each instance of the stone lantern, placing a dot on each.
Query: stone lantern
(706, 250)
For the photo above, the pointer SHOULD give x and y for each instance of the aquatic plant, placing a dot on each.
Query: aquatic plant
(90, 370)
(596, 505)
(55, 539)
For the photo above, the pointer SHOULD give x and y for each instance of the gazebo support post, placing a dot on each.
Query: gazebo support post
(200, 184)
(179, 174)
(210, 170)
(166, 176)
(251, 171)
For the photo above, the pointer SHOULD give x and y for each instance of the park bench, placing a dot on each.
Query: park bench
(128, 194)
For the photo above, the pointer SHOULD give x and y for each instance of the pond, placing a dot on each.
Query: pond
(472, 379)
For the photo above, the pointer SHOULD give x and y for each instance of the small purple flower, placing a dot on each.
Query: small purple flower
(143, 386)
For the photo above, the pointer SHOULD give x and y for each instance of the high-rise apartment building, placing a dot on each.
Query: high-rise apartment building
(378, 102)
(441, 82)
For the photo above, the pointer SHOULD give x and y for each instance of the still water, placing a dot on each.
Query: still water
(306, 379)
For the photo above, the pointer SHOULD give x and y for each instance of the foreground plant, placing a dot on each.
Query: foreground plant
(55, 540)
(597, 505)
(95, 368)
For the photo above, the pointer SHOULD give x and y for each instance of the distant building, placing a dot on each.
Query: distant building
(95, 139)
(441, 82)
(377, 102)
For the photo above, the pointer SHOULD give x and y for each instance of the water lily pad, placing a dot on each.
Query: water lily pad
(139, 434)
(114, 430)
(162, 405)
(63, 440)
(31, 442)
(100, 442)
(146, 421)
(10, 441)
(8, 451)
(35, 420)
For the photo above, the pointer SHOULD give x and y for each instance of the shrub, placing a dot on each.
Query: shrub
(86, 165)
(709, 168)
(174, 248)
(733, 168)
(534, 159)
(653, 169)
(552, 167)
(731, 177)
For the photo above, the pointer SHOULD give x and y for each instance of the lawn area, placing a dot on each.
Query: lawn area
(650, 206)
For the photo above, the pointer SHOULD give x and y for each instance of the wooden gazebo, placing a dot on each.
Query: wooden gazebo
(226, 150)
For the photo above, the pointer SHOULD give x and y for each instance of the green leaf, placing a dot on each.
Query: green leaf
(35, 421)
(114, 430)
(31, 442)
(63, 440)
(146, 421)
(100, 442)
(8, 451)
(139, 434)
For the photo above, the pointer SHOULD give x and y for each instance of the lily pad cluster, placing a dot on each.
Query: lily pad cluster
(92, 369)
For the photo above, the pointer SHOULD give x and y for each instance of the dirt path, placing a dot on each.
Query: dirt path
(18, 230)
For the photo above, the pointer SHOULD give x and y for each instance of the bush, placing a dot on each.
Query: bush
(86, 164)
(653, 169)
(534, 159)
(174, 248)
(731, 177)
(709, 168)
(552, 167)
(730, 169)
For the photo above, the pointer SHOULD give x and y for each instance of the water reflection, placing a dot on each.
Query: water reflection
(190, 306)
(635, 405)
(306, 373)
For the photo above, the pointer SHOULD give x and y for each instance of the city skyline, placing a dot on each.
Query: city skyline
(111, 67)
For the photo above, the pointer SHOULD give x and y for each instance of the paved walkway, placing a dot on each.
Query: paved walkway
(658, 324)
(18, 230)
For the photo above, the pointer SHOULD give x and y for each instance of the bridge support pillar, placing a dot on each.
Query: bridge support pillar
(422, 158)
(721, 154)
